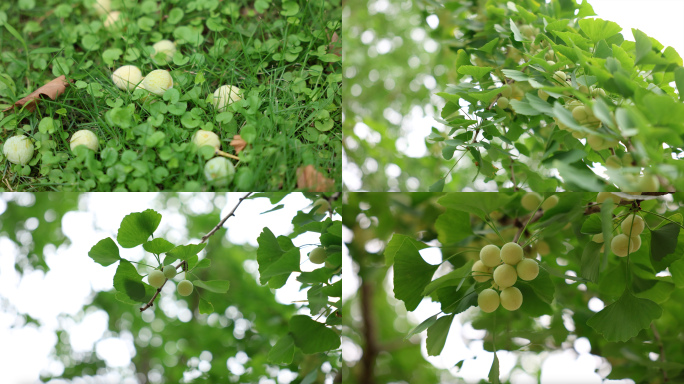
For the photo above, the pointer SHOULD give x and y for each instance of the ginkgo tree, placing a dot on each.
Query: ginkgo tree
(565, 274)
(547, 97)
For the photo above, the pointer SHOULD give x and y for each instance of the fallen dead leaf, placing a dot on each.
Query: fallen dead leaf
(52, 90)
(333, 49)
(313, 181)
(238, 143)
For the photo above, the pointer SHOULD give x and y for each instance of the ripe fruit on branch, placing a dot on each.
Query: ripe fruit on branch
(543, 248)
(633, 225)
(127, 77)
(84, 137)
(511, 298)
(481, 272)
(542, 94)
(156, 278)
(503, 102)
(158, 81)
(488, 300)
(550, 202)
(219, 170)
(613, 162)
(506, 91)
(649, 183)
(560, 77)
(18, 149)
(321, 206)
(184, 288)
(169, 271)
(597, 238)
(511, 253)
(622, 242)
(490, 255)
(505, 275)
(603, 196)
(318, 255)
(531, 201)
(527, 269)
(202, 138)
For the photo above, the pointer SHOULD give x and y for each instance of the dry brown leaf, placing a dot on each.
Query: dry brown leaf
(333, 49)
(313, 181)
(238, 143)
(52, 90)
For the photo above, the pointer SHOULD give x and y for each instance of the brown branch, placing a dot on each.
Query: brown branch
(532, 218)
(662, 351)
(370, 352)
(183, 263)
(515, 186)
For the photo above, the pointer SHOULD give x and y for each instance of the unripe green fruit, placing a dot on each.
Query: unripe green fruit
(156, 278)
(185, 288)
(613, 162)
(488, 300)
(511, 298)
(505, 275)
(633, 225)
(543, 248)
(527, 269)
(542, 94)
(506, 91)
(597, 238)
(550, 202)
(528, 31)
(580, 114)
(649, 183)
(511, 253)
(318, 255)
(502, 102)
(321, 206)
(481, 272)
(490, 255)
(598, 143)
(584, 89)
(530, 201)
(627, 159)
(603, 196)
(598, 92)
(560, 77)
(170, 271)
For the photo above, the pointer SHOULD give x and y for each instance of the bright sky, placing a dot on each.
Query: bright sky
(73, 276)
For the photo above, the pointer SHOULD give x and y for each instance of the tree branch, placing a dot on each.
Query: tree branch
(662, 350)
(204, 240)
(370, 352)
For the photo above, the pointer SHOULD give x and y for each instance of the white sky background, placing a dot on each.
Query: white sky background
(660, 19)
(73, 277)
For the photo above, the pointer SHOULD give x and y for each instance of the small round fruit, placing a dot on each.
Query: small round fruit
(165, 47)
(505, 275)
(530, 201)
(584, 89)
(580, 113)
(511, 253)
(550, 202)
(633, 225)
(18, 149)
(318, 255)
(185, 288)
(511, 298)
(169, 271)
(597, 238)
(84, 137)
(102, 7)
(543, 248)
(635, 243)
(542, 94)
(619, 245)
(503, 102)
(127, 77)
(481, 272)
(649, 183)
(603, 196)
(488, 300)
(321, 206)
(219, 170)
(112, 18)
(490, 255)
(226, 95)
(156, 278)
(158, 81)
(202, 138)
(527, 269)
(506, 91)
(613, 162)
(559, 76)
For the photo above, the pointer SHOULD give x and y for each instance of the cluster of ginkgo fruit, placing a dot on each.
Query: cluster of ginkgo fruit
(504, 266)
(629, 241)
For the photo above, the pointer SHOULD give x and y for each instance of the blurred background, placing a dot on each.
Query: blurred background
(397, 55)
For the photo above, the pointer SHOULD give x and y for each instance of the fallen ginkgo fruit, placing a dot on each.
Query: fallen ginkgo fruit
(219, 170)
(84, 137)
(102, 7)
(226, 95)
(18, 149)
(202, 138)
(167, 47)
(158, 81)
(127, 77)
(112, 18)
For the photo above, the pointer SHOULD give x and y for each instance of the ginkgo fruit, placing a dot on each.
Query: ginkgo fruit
(490, 255)
(481, 272)
(503, 102)
(318, 255)
(527, 269)
(169, 271)
(603, 196)
(321, 206)
(505, 275)
(511, 253)
(488, 300)
(185, 288)
(633, 225)
(621, 243)
(531, 201)
(597, 238)
(550, 202)
(511, 298)
(543, 248)
(156, 278)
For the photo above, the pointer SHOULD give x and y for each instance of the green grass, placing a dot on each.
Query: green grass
(281, 55)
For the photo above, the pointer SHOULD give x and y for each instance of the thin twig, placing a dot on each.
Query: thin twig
(515, 186)
(533, 218)
(225, 154)
(662, 351)
(204, 239)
